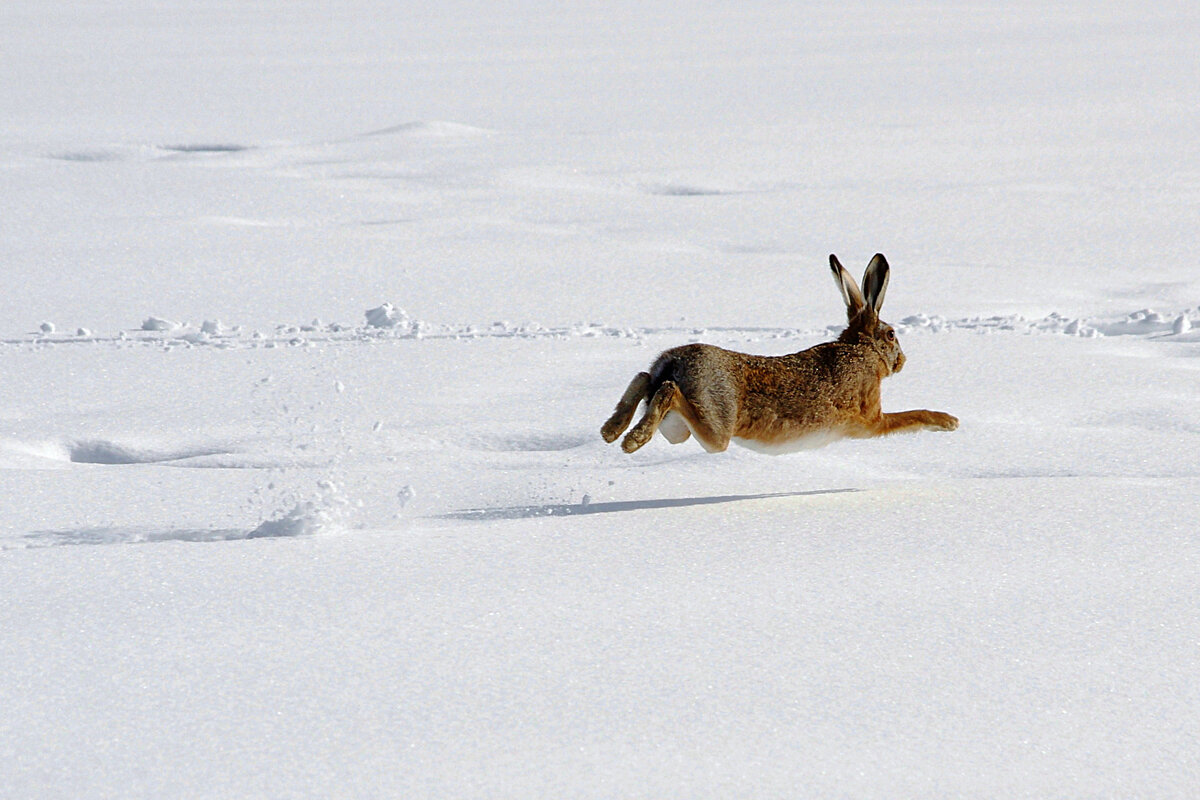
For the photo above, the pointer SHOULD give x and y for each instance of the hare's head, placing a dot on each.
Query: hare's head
(862, 311)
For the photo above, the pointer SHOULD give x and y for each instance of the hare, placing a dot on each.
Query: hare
(783, 403)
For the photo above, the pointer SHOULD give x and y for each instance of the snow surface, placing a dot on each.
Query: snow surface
(312, 502)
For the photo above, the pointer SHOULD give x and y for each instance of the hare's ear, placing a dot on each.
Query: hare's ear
(875, 281)
(845, 281)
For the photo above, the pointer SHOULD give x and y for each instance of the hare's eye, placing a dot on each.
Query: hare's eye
(891, 336)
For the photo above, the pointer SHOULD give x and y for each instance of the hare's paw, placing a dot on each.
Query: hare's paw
(941, 421)
(616, 424)
(636, 438)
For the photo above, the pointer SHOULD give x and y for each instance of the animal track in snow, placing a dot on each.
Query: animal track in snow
(102, 155)
(430, 128)
(289, 527)
(320, 514)
(530, 442)
(670, 189)
(205, 148)
(99, 451)
(126, 535)
(97, 156)
(384, 323)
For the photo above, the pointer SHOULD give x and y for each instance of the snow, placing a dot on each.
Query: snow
(265, 533)
(386, 316)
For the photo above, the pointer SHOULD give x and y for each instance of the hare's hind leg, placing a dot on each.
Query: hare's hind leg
(627, 405)
(656, 409)
(667, 399)
(712, 439)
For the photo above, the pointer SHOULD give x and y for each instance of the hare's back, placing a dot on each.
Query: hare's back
(695, 366)
(710, 377)
(705, 369)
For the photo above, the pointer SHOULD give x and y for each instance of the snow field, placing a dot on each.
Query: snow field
(255, 543)
(1007, 159)
(1027, 657)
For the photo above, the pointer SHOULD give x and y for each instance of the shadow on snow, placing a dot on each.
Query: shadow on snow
(573, 509)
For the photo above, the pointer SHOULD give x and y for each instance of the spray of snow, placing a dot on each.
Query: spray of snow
(324, 513)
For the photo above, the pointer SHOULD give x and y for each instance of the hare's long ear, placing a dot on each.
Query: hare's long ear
(845, 281)
(875, 281)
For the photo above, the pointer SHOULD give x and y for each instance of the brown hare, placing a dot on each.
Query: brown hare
(778, 404)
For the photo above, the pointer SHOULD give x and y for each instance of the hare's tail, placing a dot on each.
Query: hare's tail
(663, 369)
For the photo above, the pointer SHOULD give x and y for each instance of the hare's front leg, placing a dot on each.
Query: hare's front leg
(918, 419)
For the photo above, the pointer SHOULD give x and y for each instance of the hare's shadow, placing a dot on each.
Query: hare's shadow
(574, 509)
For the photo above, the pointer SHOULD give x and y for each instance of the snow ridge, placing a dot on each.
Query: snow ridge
(387, 322)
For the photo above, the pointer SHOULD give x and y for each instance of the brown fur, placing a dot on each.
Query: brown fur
(826, 392)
